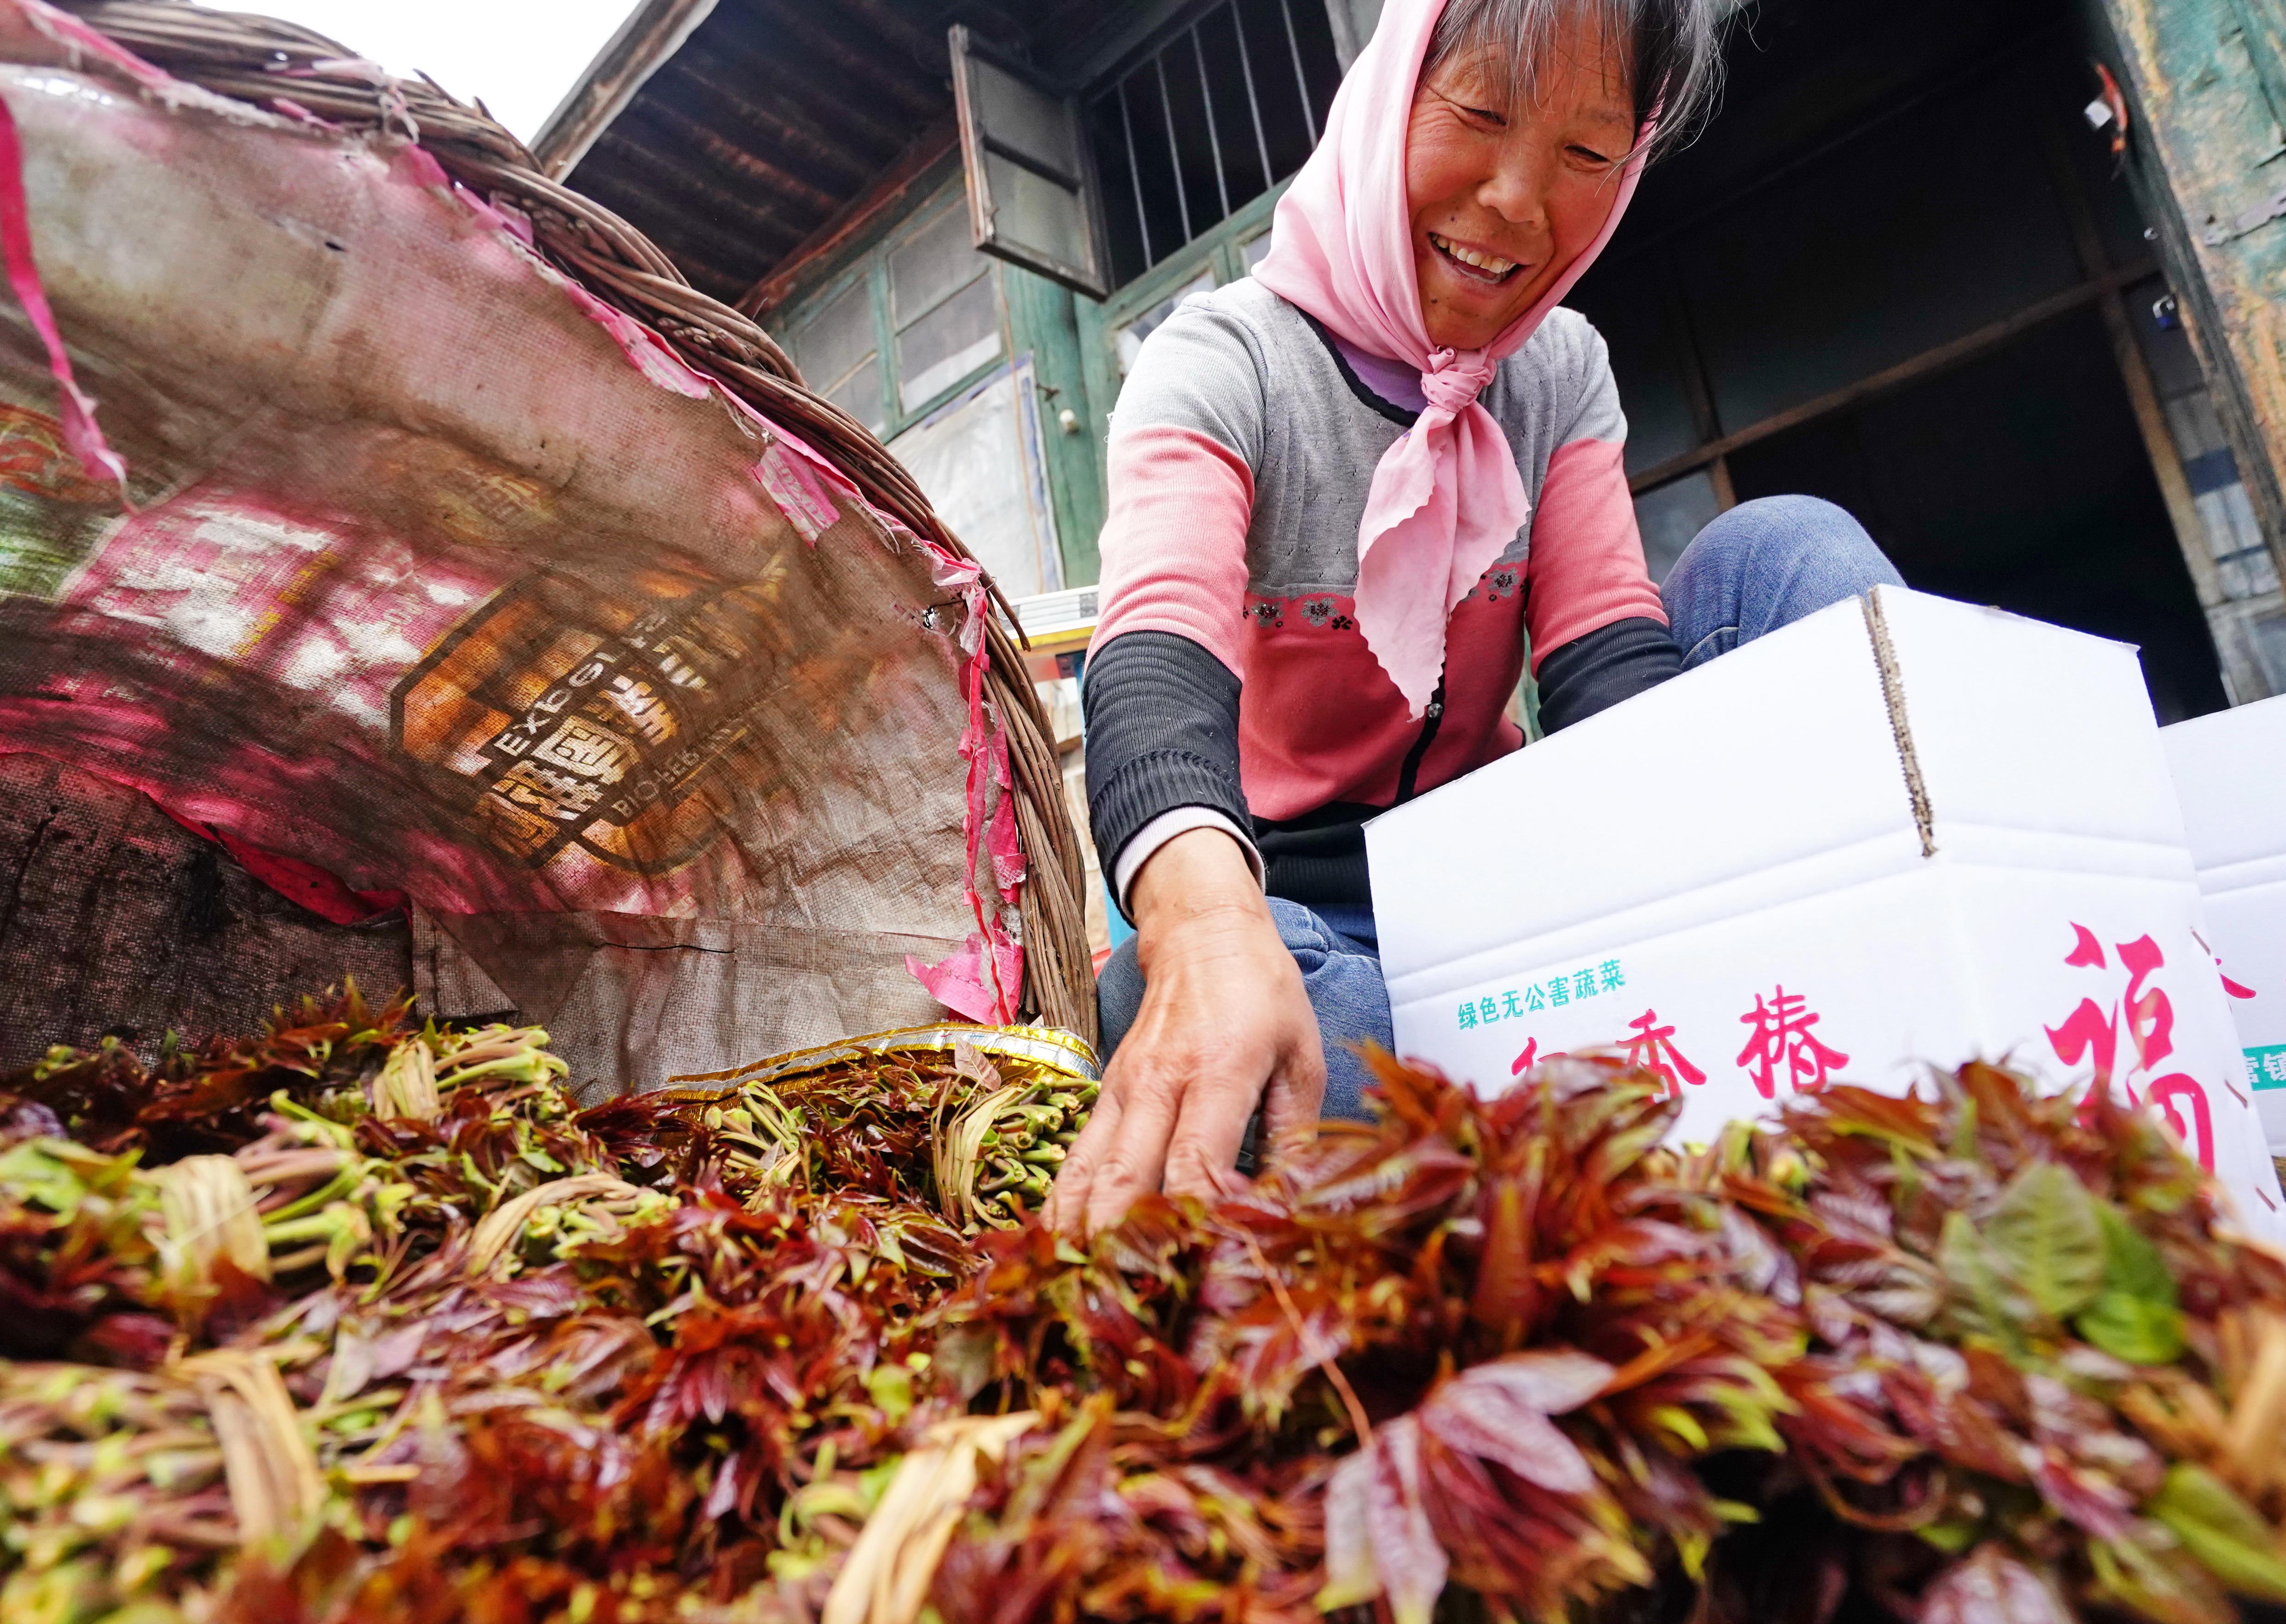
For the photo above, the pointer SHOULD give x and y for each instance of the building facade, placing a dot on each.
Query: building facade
(2003, 280)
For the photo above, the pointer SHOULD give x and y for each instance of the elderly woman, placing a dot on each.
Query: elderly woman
(1347, 494)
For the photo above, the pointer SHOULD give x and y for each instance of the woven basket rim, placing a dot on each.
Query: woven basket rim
(263, 61)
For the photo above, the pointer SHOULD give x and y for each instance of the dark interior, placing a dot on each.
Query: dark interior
(1880, 181)
(2017, 480)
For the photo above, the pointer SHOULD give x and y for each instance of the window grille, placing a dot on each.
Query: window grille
(1213, 118)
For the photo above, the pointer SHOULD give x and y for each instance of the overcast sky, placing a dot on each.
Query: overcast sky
(518, 56)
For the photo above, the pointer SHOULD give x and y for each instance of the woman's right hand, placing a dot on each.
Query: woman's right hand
(1225, 1023)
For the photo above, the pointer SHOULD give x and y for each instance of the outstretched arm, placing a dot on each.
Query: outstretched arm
(1224, 1023)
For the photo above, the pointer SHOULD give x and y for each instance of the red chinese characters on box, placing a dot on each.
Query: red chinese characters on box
(1783, 1042)
(2230, 770)
(1782, 1046)
(2143, 1016)
(2123, 1039)
(1988, 862)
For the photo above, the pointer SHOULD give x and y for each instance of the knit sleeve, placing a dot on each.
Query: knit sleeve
(1609, 664)
(1162, 735)
(1584, 570)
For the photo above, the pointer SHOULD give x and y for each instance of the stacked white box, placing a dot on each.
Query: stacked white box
(1903, 831)
(2230, 778)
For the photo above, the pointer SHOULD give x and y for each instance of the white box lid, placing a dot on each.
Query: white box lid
(2230, 777)
(1778, 752)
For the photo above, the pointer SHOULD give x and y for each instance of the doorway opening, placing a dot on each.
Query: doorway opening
(1901, 270)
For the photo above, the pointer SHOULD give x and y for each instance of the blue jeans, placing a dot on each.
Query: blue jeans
(1763, 565)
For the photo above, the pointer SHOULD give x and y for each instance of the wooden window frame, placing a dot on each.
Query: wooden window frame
(871, 267)
(1093, 278)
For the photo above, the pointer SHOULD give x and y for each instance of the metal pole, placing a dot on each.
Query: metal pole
(1293, 46)
(1135, 176)
(1174, 153)
(1253, 106)
(1214, 136)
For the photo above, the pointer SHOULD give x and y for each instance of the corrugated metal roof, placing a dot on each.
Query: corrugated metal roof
(774, 116)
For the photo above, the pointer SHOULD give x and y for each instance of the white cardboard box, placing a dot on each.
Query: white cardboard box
(2230, 778)
(1902, 831)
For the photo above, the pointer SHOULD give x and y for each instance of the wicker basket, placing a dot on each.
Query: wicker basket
(267, 62)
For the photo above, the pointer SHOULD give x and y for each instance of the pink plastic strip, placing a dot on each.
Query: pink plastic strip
(799, 494)
(77, 407)
(984, 979)
(69, 31)
(959, 983)
(1007, 850)
(646, 351)
(301, 114)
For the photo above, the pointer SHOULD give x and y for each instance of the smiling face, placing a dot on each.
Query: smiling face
(1504, 199)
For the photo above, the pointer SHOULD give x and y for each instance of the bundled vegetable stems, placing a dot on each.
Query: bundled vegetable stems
(980, 1148)
(362, 1321)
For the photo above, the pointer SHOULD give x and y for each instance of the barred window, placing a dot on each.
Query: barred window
(1207, 122)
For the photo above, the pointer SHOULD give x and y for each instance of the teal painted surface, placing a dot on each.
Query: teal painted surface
(1072, 341)
(2262, 26)
(1042, 320)
(2206, 84)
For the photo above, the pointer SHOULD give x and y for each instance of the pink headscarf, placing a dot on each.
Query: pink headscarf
(1446, 498)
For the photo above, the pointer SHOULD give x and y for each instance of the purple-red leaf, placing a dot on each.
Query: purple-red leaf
(1992, 1588)
(1411, 1564)
(1525, 1441)
(1350, 1579)
(1550, 1383)
(1487, 1412)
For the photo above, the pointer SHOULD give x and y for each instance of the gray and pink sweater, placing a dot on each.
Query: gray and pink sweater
(1227, 671)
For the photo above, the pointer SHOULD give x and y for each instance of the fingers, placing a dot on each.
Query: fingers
(1223, 1013)
(1296, 1094)
(1154, 1127)
(1201, 1153)
(1136, 1159)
